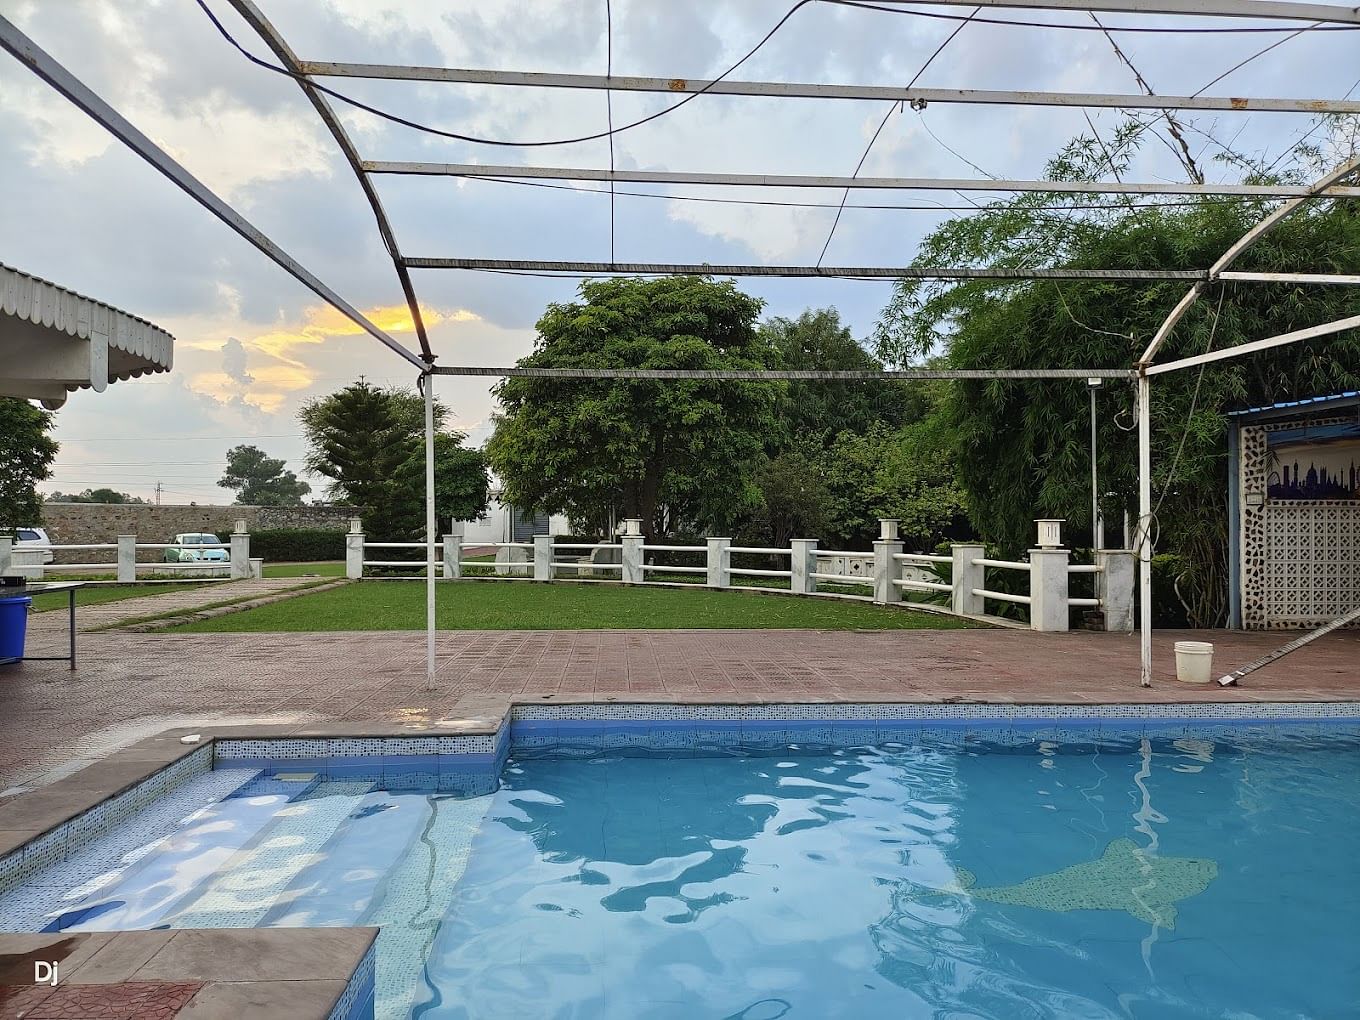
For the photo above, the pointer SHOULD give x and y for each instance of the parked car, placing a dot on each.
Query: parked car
(32, 537)
(196, 555)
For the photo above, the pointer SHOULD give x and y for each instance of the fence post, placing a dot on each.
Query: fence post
(966, 577)
(1114, 588)
(240, 552)
(453, 550)
(6, 553)
(803, 566)
(354, 549)
(885, 567)
(720, 563)
(543, 554)
(1048, 609)
(632, 540)
(127, 558)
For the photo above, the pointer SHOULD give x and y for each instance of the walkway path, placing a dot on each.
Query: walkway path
(132, 685)
(53, 624)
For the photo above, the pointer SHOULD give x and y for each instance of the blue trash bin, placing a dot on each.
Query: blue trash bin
(13, 626)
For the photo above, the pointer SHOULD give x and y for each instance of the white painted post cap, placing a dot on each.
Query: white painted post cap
(887, 529)
(1050, 533)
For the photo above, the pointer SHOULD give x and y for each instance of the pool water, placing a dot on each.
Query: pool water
(1195, 877)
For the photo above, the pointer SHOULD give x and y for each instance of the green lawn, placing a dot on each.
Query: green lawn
(400, 605)
(97, 593)
(323, 568)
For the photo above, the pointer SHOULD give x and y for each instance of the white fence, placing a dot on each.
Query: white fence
(120, 558)
(888, 575)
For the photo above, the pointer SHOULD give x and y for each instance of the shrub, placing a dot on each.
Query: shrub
(304, 545)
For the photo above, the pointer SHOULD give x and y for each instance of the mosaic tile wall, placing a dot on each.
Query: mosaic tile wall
(356, 1002)
(67, 838)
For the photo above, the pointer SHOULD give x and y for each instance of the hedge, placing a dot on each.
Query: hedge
(302, 545)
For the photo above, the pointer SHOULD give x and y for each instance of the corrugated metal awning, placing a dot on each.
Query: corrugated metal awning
(53, 340)
(1306, 404)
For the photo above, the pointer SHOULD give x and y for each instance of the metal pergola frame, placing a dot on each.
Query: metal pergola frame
(62, 80)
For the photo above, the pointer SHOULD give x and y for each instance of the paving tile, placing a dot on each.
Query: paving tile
(265, 1000)
(264, 954)
(142, 1000)
(120, 958)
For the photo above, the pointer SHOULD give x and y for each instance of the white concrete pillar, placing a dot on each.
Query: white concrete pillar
(256, 567)
(453, 555)
(6, 553)
(127, 558)
(354, 549)
(27, 563)
(240, 552)
(1114, 588)
(886, 569)
(804, 565)
(720, 563)
(633, 552)
(966, 577)
(543, 554)
(1048, 609)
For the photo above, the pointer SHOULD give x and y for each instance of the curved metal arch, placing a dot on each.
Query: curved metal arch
(266, 31)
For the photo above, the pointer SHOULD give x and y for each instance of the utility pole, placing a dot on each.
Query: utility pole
(158, 493)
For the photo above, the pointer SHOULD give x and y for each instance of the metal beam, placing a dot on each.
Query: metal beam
(1324, 279)
(1267, 9)
(28, 53)
(775, 375)
(1312, 332)
(867, 272)
(256, 20)
(802, 181)
(831, 272)
(805, 90)
(1219, 268)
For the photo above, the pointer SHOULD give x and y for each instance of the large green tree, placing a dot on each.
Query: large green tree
(672, 453)
(369, 442)
(1022, 447)
(813, 413)
(26, 455)
(261, 480)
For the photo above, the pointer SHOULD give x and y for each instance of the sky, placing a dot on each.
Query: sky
(252, 344)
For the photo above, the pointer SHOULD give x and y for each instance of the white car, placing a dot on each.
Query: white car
(33, 538)
(196, 555)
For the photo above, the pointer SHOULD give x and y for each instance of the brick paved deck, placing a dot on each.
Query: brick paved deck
(132, 685)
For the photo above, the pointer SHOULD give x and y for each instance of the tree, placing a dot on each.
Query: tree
(95, 496)
(901, 474)
(26, 455)
(1022, 448)
(816, 412)
(667, 452)
(260, 480)
(795, 496)
(370, 443)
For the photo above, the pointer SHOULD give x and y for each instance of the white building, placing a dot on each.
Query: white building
(503, 522)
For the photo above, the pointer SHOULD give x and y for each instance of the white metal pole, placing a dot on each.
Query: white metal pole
(427, 383)
(1144, 532)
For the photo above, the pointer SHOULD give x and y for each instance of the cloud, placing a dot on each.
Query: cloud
(234, 362)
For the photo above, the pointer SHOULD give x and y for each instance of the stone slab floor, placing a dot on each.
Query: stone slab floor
(129, 686)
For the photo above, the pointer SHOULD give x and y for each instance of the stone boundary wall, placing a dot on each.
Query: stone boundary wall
(97, 523)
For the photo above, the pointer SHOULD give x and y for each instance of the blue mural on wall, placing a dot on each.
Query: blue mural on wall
(1314, 470)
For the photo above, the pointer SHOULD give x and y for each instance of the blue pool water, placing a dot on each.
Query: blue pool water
(1200, 876)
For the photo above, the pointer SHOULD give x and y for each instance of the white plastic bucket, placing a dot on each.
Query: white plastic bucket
(1194, 662)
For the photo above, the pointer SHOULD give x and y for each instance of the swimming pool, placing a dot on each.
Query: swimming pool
(704, 869)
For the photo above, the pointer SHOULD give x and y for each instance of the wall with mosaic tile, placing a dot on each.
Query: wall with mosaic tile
(1300, 559)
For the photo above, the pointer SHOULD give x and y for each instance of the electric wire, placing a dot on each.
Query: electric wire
(543, 143)
(845, 196)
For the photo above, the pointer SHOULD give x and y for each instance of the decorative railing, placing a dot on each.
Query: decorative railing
(891, 575)
(32, 561)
